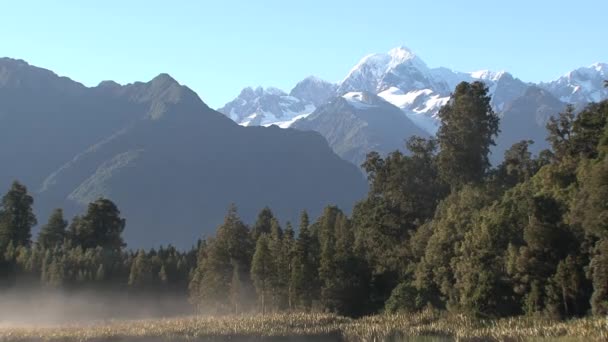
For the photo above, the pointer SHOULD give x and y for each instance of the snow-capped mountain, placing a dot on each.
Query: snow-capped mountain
(402, 79)
(264, 107)
(582, 85)
(399, 68)
(314, 90)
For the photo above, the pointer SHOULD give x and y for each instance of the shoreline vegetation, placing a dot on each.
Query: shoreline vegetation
(426, 326)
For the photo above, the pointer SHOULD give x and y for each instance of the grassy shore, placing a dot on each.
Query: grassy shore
(428, 326)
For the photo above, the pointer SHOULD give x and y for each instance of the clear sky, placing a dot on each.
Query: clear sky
(218, 47)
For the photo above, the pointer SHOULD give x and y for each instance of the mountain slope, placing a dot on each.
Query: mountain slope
(525, 119)
(172, 164)
(264, 107)
(580, 86)
(359, 122)
(314, 90)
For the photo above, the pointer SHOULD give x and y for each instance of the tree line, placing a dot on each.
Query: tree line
(439, 227)
(87, 253)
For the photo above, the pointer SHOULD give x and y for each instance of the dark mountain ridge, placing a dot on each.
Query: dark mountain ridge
(171, 163)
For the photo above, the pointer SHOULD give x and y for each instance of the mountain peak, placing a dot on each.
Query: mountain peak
(108, 84)
(314, 90)
(13, 61)
(164, 79)
(275, 91)
(488, 75)
(259, 107)
(600, 67)
(315, 79)
(398, 67)
(401, 54)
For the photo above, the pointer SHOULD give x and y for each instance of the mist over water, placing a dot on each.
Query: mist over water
(42, 308)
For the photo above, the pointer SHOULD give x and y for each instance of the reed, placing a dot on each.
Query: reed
(426, 326)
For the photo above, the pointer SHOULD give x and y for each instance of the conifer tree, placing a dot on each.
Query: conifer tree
(54, 232)
(236, 288)
(304, 275)
(468, 128)
(16, 217)
(280, 277)
(101, 226)
(262, 270)
(56, 273)
(213, 290)
(231, 248)
(262, 224)
(287, 263)
(140, 276)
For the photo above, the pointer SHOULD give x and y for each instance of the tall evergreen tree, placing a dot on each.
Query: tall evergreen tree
(560, 130)
(101, 226)
(230, 249)
(236, 288)
(262, 224)
(280, 277)
(214, 287)
(303, 280)
(54, 232)
(518, 164)
(16, 217)
(141, 275)
(287, 263)
(343, 276)
(468, 128)
(263, 271)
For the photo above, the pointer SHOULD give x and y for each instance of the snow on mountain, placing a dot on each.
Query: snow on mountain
(263, 107)
(417, 105)
(582, 85)
(314, 90)
(357, 123)
(487, 75)
(400, 68)
(401, 78)
(360, 100)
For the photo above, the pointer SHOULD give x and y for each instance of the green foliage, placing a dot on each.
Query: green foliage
(101, 226)
(404, 192)
(405, 298)
(16, 217)
(263, 270)
(468, 128)
(304, 279)
(221, 262)
(262, 224)
(518, 165)
(53, 233)
(577, 136)
(141, 271)
(453, 218)
(343, 275)
(598, 272)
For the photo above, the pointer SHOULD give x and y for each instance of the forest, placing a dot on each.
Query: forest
(439, 228)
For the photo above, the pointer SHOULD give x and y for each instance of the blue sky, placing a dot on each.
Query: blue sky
(218, 47)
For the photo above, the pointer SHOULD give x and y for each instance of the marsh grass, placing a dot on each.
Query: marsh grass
(427, 326)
